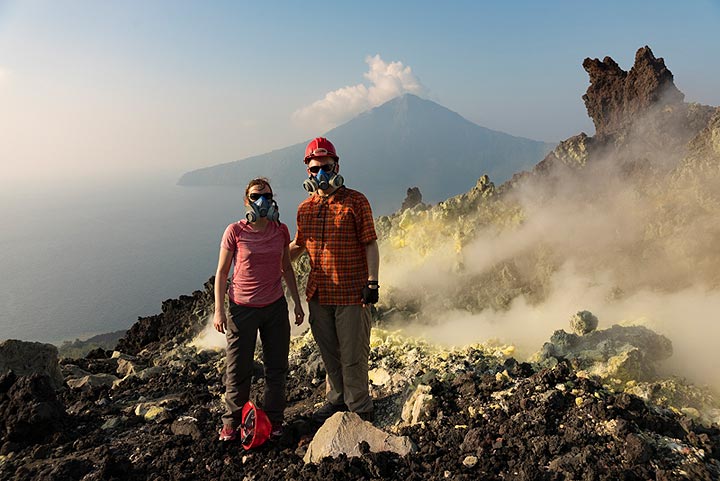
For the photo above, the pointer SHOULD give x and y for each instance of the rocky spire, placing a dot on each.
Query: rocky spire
(615, 97)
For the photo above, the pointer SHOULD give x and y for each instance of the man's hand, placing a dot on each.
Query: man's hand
(370, 293)
(299, 314)
(220, 321)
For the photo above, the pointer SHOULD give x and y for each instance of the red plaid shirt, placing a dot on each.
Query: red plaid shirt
(335, 231)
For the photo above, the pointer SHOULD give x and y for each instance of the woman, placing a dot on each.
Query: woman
(258, 246)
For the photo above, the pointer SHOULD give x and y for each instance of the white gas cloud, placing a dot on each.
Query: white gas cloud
(387, 80)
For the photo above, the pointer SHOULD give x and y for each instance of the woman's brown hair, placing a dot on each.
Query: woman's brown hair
(262, 182)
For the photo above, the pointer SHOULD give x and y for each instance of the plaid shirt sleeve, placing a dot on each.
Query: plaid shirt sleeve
(364, 223)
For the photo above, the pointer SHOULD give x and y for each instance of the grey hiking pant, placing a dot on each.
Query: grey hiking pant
(242, 329)
(343, 335)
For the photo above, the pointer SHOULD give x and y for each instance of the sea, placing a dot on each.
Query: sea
(81, 260)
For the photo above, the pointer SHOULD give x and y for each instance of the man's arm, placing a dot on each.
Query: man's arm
(373, 260)
(370, 291)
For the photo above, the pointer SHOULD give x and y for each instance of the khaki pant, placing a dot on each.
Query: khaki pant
(243, 326)
(343, 335)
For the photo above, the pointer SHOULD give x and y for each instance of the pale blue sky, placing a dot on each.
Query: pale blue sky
(139, 87)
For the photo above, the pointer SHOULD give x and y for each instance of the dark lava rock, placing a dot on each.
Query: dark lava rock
(616, 98)
(30, 412)
(413, 198)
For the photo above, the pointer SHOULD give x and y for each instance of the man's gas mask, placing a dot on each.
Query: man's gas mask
(262, 205)
(322, 177)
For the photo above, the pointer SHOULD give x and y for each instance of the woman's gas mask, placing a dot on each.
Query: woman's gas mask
(262, 205)
(322, 177)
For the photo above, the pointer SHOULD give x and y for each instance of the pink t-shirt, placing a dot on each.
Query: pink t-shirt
(258, 262)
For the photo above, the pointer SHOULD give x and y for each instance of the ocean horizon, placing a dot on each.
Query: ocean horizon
(86, 260)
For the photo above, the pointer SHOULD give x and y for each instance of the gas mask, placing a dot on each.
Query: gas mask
(323, 180)
(262, 208)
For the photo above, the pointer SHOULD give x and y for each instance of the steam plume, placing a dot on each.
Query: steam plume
(631, 246)
(387, 81)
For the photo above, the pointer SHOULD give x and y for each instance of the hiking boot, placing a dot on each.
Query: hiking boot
(368, 416)
(228, 433)
(327, 410)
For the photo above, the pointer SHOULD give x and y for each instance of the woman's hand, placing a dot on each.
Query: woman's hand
(299, 314)
(220, 321)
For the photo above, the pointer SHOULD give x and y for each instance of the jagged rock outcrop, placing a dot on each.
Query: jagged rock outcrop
(413, 198)
(641, 121)
(616, 98)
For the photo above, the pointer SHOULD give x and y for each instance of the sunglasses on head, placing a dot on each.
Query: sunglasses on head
(255, 196)
(326, 168)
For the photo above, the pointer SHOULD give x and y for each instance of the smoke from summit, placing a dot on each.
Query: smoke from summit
(386, 81)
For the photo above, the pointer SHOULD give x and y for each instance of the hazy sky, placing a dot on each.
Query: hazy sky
(113, 88)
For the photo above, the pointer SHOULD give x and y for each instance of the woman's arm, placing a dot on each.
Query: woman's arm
(221, 277)
(289, 276)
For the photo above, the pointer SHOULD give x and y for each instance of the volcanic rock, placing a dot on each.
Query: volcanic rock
(30, 412)
(419, 405)
(181, 320)
(92, 381)
(620, 352)
(186, 426)
(343, 432)
(583, 323)
(641, 121)
(413, 198)
(25, 358)
(615, 98)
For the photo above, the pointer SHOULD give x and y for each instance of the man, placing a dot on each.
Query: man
(335, 227)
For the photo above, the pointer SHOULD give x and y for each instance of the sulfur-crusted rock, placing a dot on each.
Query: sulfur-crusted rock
(620, 352)
(583, 323)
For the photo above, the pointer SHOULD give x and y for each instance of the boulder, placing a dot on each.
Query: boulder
(186, 426)
(620, 352)
(25, 358)
(127, 367)
(583, 323)
(343, 433)
(30, 411)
